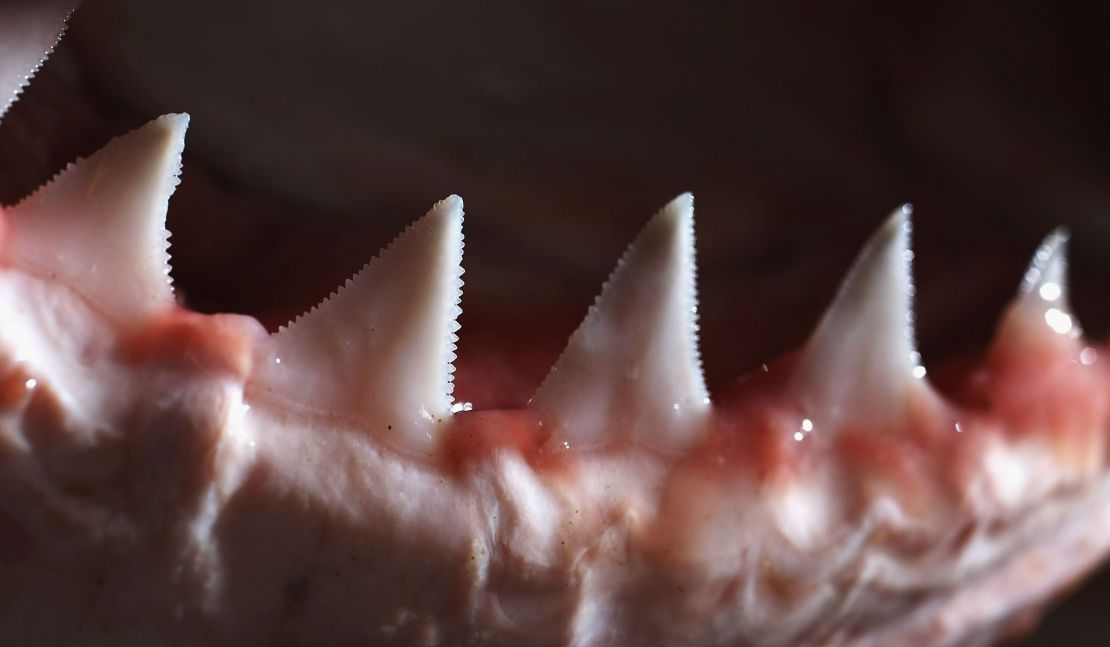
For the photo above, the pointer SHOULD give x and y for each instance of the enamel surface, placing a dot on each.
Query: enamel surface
(116, 251)
(631, 371)
(380, 349)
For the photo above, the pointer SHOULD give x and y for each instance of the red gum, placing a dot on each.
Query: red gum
(217, 343)
(1048, 392)
(474, 435)
(1020, 390)
(1012, 395)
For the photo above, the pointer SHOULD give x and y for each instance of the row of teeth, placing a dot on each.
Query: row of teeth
(380, 349)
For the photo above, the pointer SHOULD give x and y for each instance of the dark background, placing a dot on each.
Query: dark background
(319, 130)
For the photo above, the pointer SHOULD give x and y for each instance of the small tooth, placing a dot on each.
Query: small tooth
(861, 363)
(1046, 278)
(29, 31)
(100, 224)
(379, 350)
(1041, 309)
(632, 370)
(1044, 290)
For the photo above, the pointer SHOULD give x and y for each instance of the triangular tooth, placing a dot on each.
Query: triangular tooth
(1046, 277)
(29, 31)
(631, 371)
(100, 224)
(1041, 311)
(379, 350)
(1044, 290)
(861, 363)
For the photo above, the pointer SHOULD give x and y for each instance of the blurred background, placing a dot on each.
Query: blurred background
(320, 130)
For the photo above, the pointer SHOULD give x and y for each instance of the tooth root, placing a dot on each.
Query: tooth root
(379, 350)
(631, 372)
(1041, 312)
(100, 224)
(861, 364)
(29, 30)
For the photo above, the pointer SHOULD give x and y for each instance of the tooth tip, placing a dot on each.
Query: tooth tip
(446, 215)
(684, 200)
(172, 127)
(676, 217)
(172, 122)
(897, 227)
(1049, 264)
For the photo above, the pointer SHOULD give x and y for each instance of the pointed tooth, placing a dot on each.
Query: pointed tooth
(100, 224)
(1046, 277)
(379, 350)
(1044, 290)
(1041, 311)
(631, 371)
(861, 363)
(29, 31)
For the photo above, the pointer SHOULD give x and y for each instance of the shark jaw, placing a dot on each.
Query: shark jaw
(319, 484)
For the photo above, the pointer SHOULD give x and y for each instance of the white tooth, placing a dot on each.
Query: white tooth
(861, 364)
(29, 31)
(1041, 310)
(631, 372)
(100, 224)
(1046, 278)
(379, 350)
(1044, 290)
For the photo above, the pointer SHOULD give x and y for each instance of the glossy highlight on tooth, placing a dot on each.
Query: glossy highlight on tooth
(168, 477)
(1045, 287)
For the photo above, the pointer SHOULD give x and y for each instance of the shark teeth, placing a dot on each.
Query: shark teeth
(100, 224)
(631, 371)
(29, 31)
(861, 363)
(380, 349)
